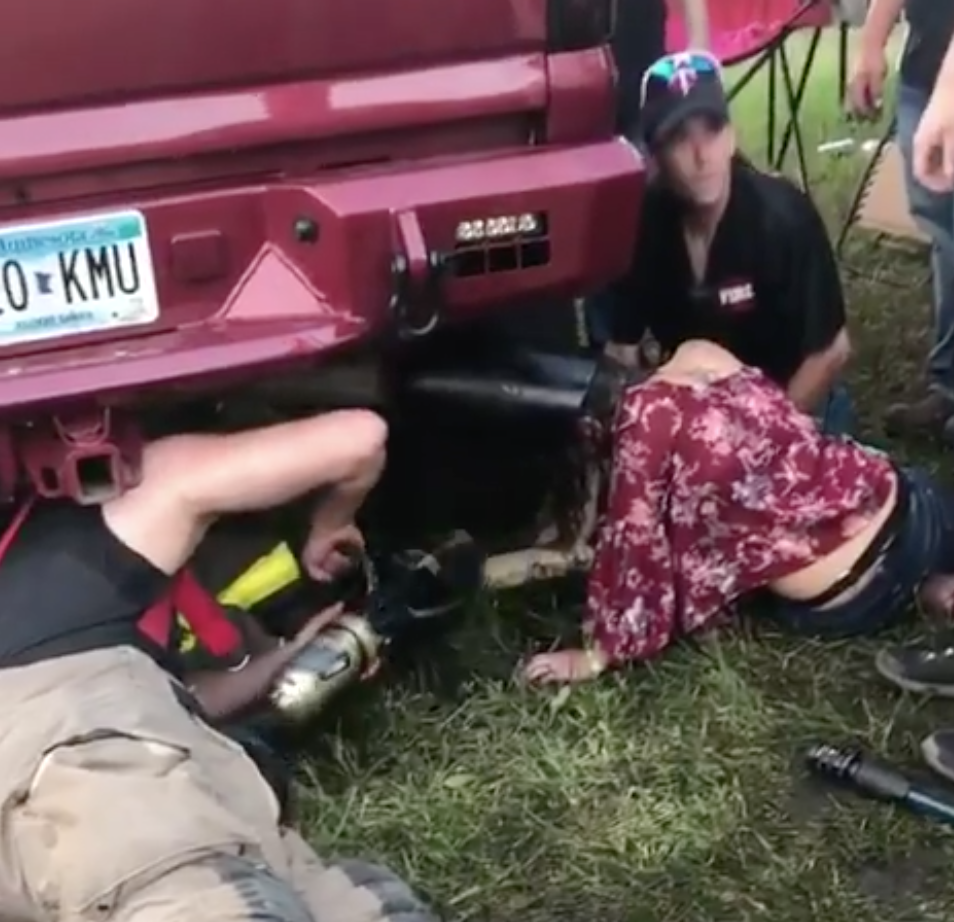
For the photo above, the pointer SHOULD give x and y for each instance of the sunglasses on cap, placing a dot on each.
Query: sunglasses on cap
(678, 87)
(678, 73)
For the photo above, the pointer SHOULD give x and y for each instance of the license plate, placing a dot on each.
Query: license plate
(85, 275)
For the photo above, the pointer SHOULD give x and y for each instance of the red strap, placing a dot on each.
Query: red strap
(212, 628)
(16, 523)
(157, 622)
(188, 597)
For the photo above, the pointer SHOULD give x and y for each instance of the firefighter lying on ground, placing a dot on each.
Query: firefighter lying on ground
(119, 798)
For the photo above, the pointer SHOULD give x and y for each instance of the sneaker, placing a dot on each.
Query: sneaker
(925, 417)
(938, 753)
(921, 669)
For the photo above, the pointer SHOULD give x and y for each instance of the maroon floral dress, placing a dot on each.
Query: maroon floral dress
(717, 489)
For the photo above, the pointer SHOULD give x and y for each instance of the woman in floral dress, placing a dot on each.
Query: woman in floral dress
(721, 490)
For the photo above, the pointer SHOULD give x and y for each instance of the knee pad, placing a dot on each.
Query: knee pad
(398, 902)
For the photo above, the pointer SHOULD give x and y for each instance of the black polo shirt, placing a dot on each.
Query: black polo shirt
(771, 294)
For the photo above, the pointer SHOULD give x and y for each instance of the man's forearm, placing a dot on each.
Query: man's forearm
(226, 694)
(339, 505)
(883, 16)
(817, 374)
(812, 382)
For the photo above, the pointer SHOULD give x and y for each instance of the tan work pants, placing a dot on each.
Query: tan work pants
(117, 803)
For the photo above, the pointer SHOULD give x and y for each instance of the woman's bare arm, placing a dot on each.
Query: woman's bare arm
(695, 14)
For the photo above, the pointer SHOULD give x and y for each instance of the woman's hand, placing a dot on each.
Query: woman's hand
(564, 666)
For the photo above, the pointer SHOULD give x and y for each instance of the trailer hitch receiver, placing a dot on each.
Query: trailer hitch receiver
(88, 457)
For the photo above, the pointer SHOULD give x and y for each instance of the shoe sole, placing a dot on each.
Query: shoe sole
(883, 666)
(932, 757)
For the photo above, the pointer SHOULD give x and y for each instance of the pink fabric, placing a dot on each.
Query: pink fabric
(718, 489)
(741, 28)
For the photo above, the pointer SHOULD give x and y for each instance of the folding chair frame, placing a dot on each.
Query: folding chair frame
(857, 204)
(864, 182)
(775, 56)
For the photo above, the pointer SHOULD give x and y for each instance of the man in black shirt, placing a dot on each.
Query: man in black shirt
(930, 32)
(726, 252)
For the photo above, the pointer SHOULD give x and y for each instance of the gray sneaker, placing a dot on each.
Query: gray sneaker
(922, 669)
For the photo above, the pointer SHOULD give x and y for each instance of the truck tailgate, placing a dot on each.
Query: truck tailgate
(56, 54)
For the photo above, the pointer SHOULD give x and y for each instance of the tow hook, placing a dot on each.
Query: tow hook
(416, 276)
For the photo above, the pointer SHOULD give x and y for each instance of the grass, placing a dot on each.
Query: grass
(674, 792)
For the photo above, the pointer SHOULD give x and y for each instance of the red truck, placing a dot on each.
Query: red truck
(203, 199)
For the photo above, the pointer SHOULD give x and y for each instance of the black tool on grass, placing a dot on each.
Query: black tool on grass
(853, 768)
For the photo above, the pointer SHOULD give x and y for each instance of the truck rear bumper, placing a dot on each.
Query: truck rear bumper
(297, 299)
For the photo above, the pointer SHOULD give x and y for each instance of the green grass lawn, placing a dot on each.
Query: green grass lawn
(674, 792)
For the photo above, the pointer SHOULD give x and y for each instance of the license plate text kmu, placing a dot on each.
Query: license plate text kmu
(85, 275)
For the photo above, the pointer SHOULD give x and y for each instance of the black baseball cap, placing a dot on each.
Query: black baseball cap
(678, 87)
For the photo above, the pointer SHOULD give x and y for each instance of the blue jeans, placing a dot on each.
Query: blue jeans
(924, 544)
(934, 214)
(836, 416)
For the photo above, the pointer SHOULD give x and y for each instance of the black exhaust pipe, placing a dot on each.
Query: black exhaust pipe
(528, 383)
(498, 394)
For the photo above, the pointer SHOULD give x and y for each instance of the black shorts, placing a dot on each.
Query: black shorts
(922, 544)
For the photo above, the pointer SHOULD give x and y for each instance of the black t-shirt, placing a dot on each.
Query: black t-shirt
(772, 294)
(638, 40)
(931, 27)
(68, 585)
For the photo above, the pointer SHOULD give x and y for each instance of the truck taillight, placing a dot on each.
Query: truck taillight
(573, 25)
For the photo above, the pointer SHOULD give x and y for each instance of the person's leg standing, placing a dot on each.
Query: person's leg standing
(639, 39)
(934, 214)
